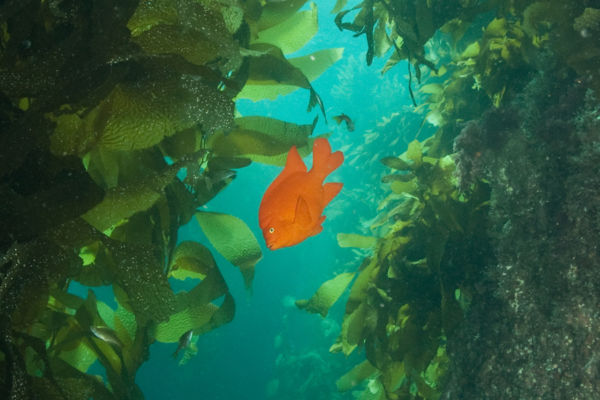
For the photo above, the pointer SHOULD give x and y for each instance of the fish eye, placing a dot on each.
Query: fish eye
(271, 230)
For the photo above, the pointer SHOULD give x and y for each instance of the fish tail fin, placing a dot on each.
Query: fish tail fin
(330, 190)
(324, 161)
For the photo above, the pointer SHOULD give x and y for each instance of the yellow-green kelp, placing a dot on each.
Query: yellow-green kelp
(413, 290)
(518, 70)
(118, 122)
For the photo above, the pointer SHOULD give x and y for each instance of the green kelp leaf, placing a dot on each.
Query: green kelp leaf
(415, 152)
(195, 310)
(381, 39)
(393, 376)
(355, 376)
(125, 325)
(103, 166)
(140, 116)
(191, 260)
(355, 240)
(81, 357)
(73, 135)
(438, 367)
(224, 163)
(191, 44)
(314, 64)
(400, 187)
(358, 292)
(222, 316)
(200, 318)
(268, 66)
(269, 86)
(122, 202)
(293, 33)
(183, 321)
(471, 51)
(188, 28)
(396, 163)
(373, 391)
(106, 313)
(183, 143)
(73, 383)
(434, 89)
(425, 20)
(233, 240)
(139, 274)
(326, 295)
(262, 139)
(352, 329)
(456, 28)
(497, 27)
(149, 14)
(425, 390)
(274, 12)
(88, 317)
(397, 177)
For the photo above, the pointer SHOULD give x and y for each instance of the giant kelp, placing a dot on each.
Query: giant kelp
(411, 293)
(118, 122)
(483, 282)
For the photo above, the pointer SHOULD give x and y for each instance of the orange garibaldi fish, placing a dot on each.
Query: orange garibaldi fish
(290, 210)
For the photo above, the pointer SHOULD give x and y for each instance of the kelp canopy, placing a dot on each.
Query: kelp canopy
(117, 123)
(484, 273)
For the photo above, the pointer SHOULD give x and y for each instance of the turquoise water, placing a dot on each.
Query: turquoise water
(477, 272)
(270, 340)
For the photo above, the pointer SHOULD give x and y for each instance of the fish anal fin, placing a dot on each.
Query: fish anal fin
(302, 216)
(318, 228)
(330, 190)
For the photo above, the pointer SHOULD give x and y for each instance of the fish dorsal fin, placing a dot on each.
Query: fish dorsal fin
(293, 164)
(302, 216)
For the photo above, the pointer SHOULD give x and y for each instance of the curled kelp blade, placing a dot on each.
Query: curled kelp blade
(262, 139)
(232, 238)
(327, 294)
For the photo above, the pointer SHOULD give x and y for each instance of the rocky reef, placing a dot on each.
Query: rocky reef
(531, 332)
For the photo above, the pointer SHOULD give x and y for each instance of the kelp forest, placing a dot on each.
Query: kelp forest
(118, 125)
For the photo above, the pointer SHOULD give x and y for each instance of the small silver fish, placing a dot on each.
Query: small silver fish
(184, 342)
(107, 335)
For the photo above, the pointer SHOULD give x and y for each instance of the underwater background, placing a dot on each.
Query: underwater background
(459, 261)
(271, 345)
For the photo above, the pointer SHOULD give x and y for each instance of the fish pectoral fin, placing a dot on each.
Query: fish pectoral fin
(302, 216)
(330, 190)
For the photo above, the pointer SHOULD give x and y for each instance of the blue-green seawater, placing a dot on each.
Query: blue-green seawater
(271, 349)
